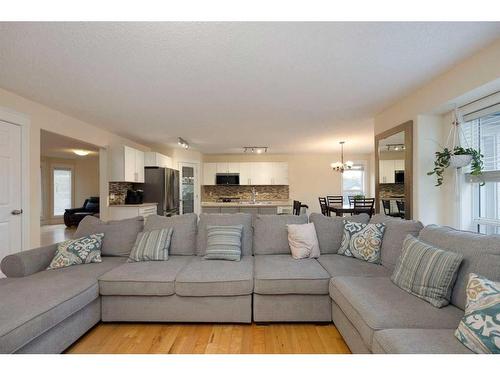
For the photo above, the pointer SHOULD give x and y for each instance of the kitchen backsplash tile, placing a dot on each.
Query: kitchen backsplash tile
(390, 190)
(118, 192)
(210, 193)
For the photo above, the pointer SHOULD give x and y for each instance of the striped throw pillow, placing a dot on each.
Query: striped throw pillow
(151, 245)
(426, 272)
(224, 242)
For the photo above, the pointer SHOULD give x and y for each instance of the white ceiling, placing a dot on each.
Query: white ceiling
(295, 87)
(53, 145)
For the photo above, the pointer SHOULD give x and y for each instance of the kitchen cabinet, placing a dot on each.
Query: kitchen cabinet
(229, 210)
(251, 173)
(155, 159)
(228, 167)
(387, 169)
(126, 164)
(246, 173)
(126, 211)
(209, 172)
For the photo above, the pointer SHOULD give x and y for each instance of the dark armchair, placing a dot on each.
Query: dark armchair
(73, 216)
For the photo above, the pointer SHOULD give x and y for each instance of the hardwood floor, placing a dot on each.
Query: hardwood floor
(50, 234)
(145, 338)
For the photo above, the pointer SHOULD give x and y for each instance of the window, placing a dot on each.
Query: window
(353, 181)
(63, 190)
(482, 131)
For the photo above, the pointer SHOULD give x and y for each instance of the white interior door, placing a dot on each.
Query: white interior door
(10, 190)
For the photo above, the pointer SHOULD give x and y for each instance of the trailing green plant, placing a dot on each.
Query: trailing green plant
(359, 196)
(443, 161)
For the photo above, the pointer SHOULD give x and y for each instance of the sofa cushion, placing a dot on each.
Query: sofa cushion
(417, 341)
(281, 274)
(271, 234)
(143, 278)
(339, 265)
(375, 303)
(184, 235)
(119, 235)
(481, 255)
(396, 231)
(243, 219)
(331, 229)
(205, 278)
(38, 302)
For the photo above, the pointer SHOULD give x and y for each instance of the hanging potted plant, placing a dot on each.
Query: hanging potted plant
(456, 156)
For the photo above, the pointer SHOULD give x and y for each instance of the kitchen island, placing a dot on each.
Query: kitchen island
(258, 208)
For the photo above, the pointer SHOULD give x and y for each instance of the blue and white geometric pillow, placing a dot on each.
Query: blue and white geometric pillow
(362, 241)
(78, 251)
(479, 329)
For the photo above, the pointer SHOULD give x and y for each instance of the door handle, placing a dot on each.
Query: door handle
(17, 212)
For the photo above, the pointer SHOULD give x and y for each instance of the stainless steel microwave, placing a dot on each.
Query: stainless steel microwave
(227, 179)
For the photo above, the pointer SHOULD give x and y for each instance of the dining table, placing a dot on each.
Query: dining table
(341, 209)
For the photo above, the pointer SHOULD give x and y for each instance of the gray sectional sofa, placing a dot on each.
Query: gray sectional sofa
(45, 311)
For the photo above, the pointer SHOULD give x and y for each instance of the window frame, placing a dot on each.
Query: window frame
(362, 168)
(53, 168)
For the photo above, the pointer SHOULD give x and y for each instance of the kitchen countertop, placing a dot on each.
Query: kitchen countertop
(133, 205)
(248, 204)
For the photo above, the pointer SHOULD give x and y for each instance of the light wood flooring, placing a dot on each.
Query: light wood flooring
(145, 338)
(50, 234)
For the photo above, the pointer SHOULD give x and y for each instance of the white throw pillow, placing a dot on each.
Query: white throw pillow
(303, 241)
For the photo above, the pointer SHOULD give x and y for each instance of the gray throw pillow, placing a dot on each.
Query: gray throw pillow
(426, 272)
(119, 235)
(151, 245)
(224, 242)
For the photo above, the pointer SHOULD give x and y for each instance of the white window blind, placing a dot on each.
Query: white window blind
(482, 131)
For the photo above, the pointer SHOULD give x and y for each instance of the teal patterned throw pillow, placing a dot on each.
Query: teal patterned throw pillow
(362, 241)
(479, 329)
(81, 250)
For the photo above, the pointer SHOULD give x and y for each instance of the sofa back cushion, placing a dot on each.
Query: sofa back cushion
(396, 231)
(183, 240)
(119, 235)
(481, 255)
(331, 229)
(271, 233)
(242, 219)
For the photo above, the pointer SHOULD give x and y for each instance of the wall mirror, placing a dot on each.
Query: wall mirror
(393, 171)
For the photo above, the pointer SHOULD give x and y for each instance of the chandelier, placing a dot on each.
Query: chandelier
(340, 166)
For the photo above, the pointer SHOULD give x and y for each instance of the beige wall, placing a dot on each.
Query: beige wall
(476, 76)
(85, 182)
(309, 175)
(42, 117)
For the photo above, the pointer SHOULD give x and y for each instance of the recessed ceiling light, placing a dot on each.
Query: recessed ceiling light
(81, 152)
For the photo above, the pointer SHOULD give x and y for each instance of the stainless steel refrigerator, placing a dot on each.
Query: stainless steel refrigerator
(161, 185)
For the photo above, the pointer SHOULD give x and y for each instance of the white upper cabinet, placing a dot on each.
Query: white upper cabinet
(209, 172)
(387, 169)
(251, 173)
(126, 164)
(155, 159)
(228, 167)
(279, 174)
(246, 173)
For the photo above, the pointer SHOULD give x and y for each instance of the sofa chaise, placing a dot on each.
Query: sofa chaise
(45, 311)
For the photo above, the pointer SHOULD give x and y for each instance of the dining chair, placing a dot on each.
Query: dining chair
(335, 200)
(324, 206)
(387, 206)
(401, 208)
(364, 205)
(298, 206)
(351, 200)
